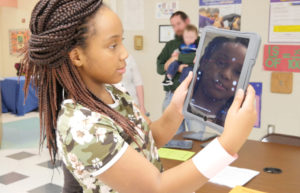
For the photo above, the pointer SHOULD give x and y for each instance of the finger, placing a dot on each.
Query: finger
(238, 99)
(187, 80)
(250, 98)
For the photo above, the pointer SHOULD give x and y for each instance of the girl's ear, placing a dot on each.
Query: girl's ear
(77, 57)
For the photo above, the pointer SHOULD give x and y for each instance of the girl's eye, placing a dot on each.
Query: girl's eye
(221, 63)
(113, 46)
(238, 73)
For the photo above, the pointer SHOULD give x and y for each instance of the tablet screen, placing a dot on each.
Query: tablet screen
(218, 73)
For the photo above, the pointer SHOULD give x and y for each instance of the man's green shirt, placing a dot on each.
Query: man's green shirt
(164, 56)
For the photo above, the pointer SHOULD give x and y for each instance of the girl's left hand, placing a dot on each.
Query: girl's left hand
(181, 92)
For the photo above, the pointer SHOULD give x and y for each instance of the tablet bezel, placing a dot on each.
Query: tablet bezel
(249, 61)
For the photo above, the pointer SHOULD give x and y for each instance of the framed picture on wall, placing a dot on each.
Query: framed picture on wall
(166, 33)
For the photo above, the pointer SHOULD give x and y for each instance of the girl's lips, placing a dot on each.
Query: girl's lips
(122, 70)
(219, 86)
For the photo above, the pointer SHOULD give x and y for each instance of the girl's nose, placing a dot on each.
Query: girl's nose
(124, 53)
(226, 74)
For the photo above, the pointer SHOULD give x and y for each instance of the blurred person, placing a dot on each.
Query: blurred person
(133, 84)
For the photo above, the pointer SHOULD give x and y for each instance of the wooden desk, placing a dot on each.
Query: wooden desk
(258, 155)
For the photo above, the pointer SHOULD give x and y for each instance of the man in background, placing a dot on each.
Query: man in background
(179, 20)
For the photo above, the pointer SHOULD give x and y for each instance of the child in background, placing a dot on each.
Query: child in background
(190, 36)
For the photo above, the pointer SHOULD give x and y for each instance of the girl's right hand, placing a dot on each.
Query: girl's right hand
(239, 122)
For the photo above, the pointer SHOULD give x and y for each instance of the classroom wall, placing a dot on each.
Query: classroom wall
(10, 18)
(281, 110)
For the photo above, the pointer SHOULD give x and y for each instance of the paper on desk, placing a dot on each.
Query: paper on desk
(241, 189)
(180, 155)
(233, 176)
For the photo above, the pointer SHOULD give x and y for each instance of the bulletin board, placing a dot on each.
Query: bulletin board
(17, 40)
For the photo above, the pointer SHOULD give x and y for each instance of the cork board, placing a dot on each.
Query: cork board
(282, 82)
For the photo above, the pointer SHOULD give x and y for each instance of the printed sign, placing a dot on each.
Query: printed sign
(284, 58)
(284, 22)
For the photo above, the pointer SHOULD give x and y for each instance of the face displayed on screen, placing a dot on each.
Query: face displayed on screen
(217, 77)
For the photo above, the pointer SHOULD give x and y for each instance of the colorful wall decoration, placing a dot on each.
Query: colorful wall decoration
(9, 3)
(284, 58)
(17, 40)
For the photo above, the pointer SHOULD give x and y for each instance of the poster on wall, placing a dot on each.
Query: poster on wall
(17, 40)
(284, 58)
(220, 13)
(133, 14)
(284, 22)
(164, 10)
(258, 94)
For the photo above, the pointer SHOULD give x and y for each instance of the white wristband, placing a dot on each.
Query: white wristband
(212, 159)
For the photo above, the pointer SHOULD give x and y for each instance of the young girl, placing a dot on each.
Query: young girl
(74, 55)
(217, 77)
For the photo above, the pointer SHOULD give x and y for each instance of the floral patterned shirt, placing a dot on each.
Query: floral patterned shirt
(89, 143)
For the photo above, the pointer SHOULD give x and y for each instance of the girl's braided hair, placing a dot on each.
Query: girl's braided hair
(58, 26)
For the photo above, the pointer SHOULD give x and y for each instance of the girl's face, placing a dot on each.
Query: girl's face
(103, 59)
(222, 71)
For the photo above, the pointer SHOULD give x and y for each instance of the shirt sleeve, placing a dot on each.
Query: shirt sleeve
(162, 59)
(93, 143)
